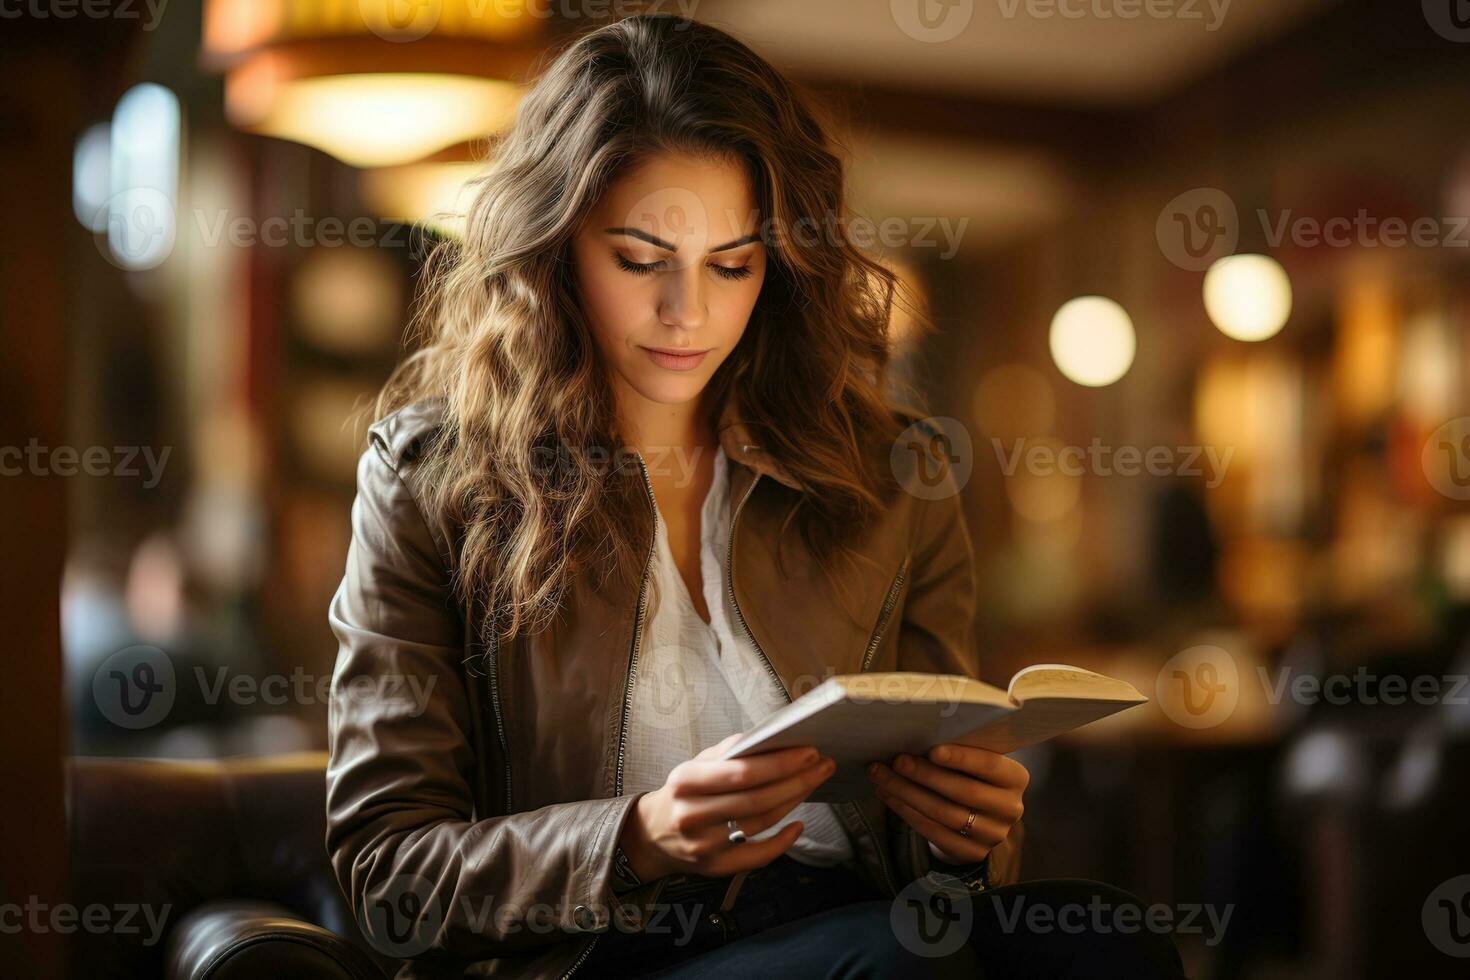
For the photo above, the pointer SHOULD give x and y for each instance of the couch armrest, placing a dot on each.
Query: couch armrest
(224, 940)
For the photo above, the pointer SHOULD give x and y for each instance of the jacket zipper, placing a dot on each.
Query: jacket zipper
(884, 613)
(495, 705)
(735, 603)
(730, 586)
(730, 582)
(631, 677)
(637, 632)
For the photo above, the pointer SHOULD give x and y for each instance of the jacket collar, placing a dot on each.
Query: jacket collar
(742, 446)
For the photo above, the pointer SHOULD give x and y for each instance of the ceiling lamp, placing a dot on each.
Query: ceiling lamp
(372, 90)
(431, 194)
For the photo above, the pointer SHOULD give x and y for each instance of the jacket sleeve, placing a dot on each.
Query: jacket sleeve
(937, 635)
(425, 879)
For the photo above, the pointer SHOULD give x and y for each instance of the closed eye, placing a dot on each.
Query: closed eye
(638, 268)
(649, 268)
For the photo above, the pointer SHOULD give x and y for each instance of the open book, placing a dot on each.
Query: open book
(861, 718)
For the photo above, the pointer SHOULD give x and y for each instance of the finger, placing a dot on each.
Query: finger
(717, 808)
(756, 823)
(705, 777)
(983, 764)
(714, 751)
(968, 791)
(926, 801)
(967, 848)
(943, 812)
(753, 853)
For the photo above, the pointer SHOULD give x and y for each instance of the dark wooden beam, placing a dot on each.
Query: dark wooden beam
(1347, 50)
(61, 74)
(1071, 132)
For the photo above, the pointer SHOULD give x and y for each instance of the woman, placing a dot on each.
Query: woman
(635, 490)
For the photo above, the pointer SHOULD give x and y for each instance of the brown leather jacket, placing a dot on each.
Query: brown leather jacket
(474, 796)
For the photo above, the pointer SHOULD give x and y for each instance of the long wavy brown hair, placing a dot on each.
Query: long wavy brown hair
(503, 343)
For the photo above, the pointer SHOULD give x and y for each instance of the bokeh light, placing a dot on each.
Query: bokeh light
(1092, 341)
(1248, 296)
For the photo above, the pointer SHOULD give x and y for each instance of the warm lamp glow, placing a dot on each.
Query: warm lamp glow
(908, 299)
(235, 26)
(348, 301)
(371, 120)
(1366, 349)
(1092, 341)
(1044, 492)
(1014, 401)
(435, 195)
(1248, 296)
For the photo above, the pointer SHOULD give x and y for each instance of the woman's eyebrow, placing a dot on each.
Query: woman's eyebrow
(670, 247)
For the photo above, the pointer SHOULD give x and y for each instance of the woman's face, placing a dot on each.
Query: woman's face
(669, 265)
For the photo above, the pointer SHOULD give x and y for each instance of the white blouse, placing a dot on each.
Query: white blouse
(698, 682)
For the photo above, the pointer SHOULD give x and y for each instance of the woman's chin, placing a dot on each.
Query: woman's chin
(670, 391)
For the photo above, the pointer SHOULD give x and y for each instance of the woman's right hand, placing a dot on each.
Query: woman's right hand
(680, 827)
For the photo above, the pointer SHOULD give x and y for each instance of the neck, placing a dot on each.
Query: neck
(656, 428)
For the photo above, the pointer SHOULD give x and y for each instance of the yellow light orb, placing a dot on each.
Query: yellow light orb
(1248, 296)
(1092, 341)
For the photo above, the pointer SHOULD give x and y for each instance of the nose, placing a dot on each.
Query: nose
(681, 300)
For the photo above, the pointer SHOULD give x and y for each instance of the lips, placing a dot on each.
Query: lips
(675, 362)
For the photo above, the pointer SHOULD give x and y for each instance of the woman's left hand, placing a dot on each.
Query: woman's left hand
(935, 794)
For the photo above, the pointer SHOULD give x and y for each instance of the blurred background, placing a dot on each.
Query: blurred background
(1200, 273)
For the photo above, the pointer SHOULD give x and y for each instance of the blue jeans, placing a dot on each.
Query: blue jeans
(792, 920)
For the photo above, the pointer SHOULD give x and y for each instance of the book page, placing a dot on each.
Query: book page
(858, 724)
(907, 685)
(1065, 681)
(1039, 720)
(857, 732)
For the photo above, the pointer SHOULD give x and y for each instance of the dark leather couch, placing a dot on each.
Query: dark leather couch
(226, 856)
